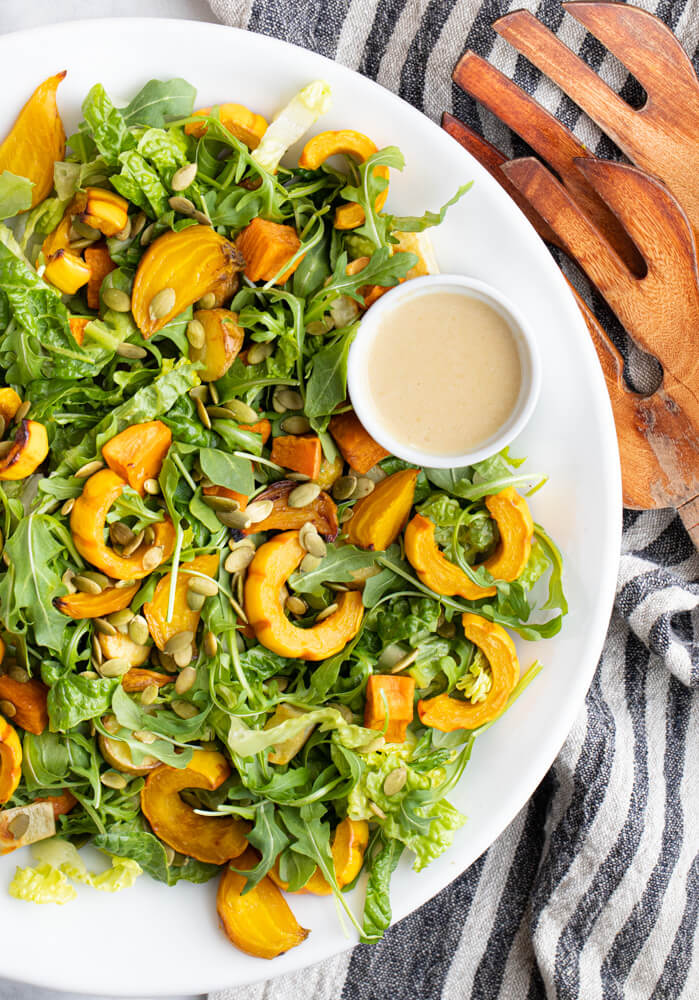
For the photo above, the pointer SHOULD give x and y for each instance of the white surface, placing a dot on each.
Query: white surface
(360, 354)
(571, 437)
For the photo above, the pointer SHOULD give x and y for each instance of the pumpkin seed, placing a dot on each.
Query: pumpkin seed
(18, 825)
(89, 468)
(104, 627)
(3, 425)
(241, 411)
(295, 606)
(204, 586)
(162, 303)
(236, 519)
(80, 244)
(120, 619)
(149, 534)
(7, 709)
(181, 640)
(116, 667)
(309, 563)
(238, 609)
(311, 540)
(97, 654)
(338, 587)
(203, 415)
(201, 218)
(182, 178)
(80, 228)
(196, 334)
(210, 644)
(68, 579)
(68, 506)
(303, 495)
(18, 674)
(148, 234)
(111, 724)
(363, 488)
(377, 810)
(330, 610)
(183, 657)
(112, 779)
(185, 709)
(375, 473)
(221, 503)
(120, 533)
(135, 543)
(145, 735)
(207, 301)
(149, 695)
(213, 392)
(395, 781)
(295, 425)
(182, 205)
(124, 233)
(117, 300)
(195, 602)
(199, 392)
(220, 412)
(240, 543)
(405, 662)
(290, 399)
(298, 477)
(91, 675)
(138, 221)
(138, 630)
(170, 855)
(86, 586)
(186, 680)
(259, 352)
(120, 584)
(152, 486)
(238, 560)
(344, 487)
(318, 327)
(259, 511)
(153, 557)
(131, 351)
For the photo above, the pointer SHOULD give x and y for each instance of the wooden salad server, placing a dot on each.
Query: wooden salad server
(592, 212)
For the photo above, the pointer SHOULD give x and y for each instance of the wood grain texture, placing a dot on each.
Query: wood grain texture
(660, 137)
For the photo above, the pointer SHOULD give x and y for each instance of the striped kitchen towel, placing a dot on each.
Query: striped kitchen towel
(592, 892)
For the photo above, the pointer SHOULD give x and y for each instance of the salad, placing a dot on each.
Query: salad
(239, 640)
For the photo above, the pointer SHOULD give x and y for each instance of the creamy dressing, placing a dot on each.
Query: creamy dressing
(444, 372)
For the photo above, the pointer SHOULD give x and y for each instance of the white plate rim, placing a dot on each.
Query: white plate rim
(74, 979)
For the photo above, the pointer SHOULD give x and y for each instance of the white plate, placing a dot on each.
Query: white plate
(158, 940)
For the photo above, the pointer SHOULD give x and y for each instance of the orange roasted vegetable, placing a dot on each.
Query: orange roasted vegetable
(370, 293)
(77, 327)
(260, 921)
(379, 518)
(321, 512)
(330, 471)
(300, 454)
(87, 524)
(101, 264)
(10, 760)
(59, 239)
(433, 568)
(137, 679)
(447, 713)
(205, 838)
(29, 700)
(9, 404)
(224, 338)
(318, 149)
(36, 140)
(239, 120)
(119, 646)
(273, 564)
(266, 247)
(516, 527)
(96, 605)
(191, 262)
(358, 447)
(101, 209)
(262, 427)
(27, 453)
(137, 453)
(61, 804)
(392, 693)
(350, 841)
(183, 618)
(66, 271)
(223, 491)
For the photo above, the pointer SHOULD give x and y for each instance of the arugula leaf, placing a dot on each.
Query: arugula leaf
(227, 470)
(371, 185)
(159, 101)
(337, 566)
(377, 905)
(417, 224)
(15, 194)
(327, 385)
(269, 840)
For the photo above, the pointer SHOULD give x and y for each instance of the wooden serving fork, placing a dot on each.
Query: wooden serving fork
(623, 227)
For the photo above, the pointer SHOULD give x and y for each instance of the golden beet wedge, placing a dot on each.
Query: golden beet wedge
(189, 264)
(268, 572)
(224, 338)
(379, 518)
(446, 713)
(36, 140)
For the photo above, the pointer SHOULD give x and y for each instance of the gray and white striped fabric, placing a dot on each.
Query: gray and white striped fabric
(593, 891)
